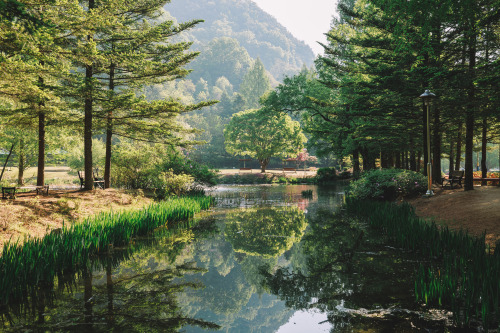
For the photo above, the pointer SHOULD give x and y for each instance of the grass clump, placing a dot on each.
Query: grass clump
(458, 272)
(26, 267)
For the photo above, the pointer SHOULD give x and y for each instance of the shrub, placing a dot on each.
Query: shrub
(387, 184)
(326, 174)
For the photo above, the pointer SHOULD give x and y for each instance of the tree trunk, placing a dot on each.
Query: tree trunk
(263, 164)
(470, 117)
(7, 161)
(413, 164)
(484, 143)
(426, 159)
(22, 158)
(40, 178)
(109, 132)
(419, 157)
(87, 136)
(384, 160)
(355, 166)
(436, 148)
(451, 158)
(459, 147)
(398, 161)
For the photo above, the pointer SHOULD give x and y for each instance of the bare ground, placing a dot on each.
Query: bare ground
(34, 216)
(476, 211)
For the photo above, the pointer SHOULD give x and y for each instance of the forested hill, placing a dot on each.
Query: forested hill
(258, 32)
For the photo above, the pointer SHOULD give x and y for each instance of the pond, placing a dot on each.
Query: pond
(268, 258)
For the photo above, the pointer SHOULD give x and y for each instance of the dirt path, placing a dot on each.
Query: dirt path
(34, 216)
(476, 211)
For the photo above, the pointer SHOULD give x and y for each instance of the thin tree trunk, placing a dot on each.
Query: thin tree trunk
(109, 132)
(426, 159)
(7, 160)
(40, 178)
(419, 158)
(451, 158)
(89, 179)
(398, 161)
(22, 158)
(459, 147)
(436, 148)
(470, 117)
(484, 142)
(413, 165)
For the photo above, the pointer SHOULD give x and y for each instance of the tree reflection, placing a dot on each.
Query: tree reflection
(266, 232)
(134, 290)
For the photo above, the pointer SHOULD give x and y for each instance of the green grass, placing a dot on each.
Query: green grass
(458, 271)
(26, 267)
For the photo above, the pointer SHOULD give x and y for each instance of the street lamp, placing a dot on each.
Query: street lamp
(427, 97)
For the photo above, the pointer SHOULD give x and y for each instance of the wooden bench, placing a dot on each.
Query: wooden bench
(8, 192)
(245, 169)
(43, 190)
(289, 169)
(455, 177)
(98, 182)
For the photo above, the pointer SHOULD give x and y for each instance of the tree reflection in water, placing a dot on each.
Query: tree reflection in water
(353, 277)
(118, 291)
(266, 231)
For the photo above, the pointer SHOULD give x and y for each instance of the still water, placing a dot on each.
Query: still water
(266, 259)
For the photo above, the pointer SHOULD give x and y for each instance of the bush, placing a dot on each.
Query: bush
(164, 170)
(326, 174)
(387, 184)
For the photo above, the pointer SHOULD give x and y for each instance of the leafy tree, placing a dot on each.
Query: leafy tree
(255, 84)
(263, 134)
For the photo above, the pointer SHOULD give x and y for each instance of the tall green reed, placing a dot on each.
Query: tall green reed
(458, 271)
(25, 267)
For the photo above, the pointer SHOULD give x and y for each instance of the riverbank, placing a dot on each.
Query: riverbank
(476, 211)
(34, 216)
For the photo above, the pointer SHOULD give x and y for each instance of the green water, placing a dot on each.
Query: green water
(266, 259)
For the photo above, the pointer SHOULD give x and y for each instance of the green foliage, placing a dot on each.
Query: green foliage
(37, 261)
(263, 134)
(75, 156)
(326, 174)
(266, 232)
(255, 84)
(387, 184)
(155, 167)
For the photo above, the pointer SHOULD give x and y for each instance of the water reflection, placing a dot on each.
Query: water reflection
(351, 276)
(128, 289)
(266, 232)
(266, 258)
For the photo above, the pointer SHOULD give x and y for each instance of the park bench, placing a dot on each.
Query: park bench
(98, 182)
(8, 192)
(289, 169)
(454, 178)
(43, 190)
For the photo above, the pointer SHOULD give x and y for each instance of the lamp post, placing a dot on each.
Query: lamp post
(427, 97)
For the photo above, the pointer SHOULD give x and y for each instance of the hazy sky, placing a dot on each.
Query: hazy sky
(306, 20)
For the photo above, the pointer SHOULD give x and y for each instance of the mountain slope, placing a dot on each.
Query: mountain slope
(258, 32)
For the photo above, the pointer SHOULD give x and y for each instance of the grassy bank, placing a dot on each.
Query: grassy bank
(458, 272)
(37, 261)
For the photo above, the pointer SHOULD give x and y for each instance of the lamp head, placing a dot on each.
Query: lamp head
(427, 97)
